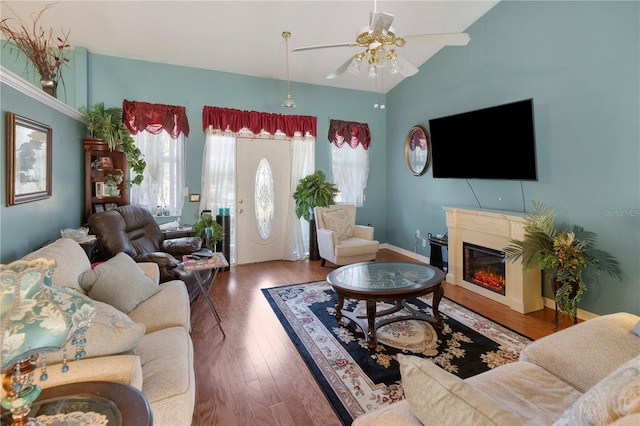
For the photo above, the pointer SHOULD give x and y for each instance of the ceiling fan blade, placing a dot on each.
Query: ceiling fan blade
(407, 68)
(323, 46)
(380, 22)
(445, 39)
(337, 73)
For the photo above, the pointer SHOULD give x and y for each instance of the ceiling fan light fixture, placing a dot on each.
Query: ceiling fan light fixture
(288, 102)
(354, 67)
(380, 22)
(396, 66)
(373, 72)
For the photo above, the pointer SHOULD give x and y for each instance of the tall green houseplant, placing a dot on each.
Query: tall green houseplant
(313, 191)
(565, 252)
(106, 124)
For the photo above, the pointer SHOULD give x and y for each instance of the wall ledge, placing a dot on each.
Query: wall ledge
(23, 86)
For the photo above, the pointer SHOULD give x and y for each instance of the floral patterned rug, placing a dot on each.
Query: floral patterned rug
(357, 380)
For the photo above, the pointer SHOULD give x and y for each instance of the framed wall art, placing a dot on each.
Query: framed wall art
(28, 160)
(417, 150)
(106, 163)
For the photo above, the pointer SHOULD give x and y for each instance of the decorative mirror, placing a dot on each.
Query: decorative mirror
(417, 150)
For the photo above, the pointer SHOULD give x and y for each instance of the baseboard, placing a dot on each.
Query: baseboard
(548, 303)
(404, 252)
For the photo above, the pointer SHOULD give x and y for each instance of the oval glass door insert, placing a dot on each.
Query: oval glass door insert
(264, 198)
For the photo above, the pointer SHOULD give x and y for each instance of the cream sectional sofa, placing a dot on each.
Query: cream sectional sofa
(149, 348)
(586, 374)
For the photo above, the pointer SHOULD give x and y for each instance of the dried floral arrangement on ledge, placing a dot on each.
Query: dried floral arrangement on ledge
(46, 52)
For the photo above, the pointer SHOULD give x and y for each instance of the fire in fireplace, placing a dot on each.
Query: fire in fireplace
(484, 267)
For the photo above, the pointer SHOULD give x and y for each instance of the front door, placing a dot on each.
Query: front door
(263, 196)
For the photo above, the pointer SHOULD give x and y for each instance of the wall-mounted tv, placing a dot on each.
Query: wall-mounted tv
(489, 143)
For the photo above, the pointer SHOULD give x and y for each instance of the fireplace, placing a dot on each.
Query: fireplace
(484, 267)
(476, 240)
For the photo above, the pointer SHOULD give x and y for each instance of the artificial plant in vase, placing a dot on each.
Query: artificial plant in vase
(106, 124)
(208, 229)
(112, 181)
(313, 191)
(46, 52)
(566, 252)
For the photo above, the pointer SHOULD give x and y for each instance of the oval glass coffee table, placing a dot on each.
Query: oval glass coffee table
(386, 281)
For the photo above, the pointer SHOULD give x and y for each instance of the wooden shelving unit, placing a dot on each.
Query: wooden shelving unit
(99, 161)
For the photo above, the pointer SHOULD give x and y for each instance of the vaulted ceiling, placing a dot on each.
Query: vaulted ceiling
(245, 37)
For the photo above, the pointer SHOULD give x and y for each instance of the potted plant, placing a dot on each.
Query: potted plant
(565, 253)
(106, 124)
(113, 181)
(208, 229)
(313, 191)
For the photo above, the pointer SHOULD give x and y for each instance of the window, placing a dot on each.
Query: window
(350, 160)
(162, 188)
(350, 167)
(159, 132)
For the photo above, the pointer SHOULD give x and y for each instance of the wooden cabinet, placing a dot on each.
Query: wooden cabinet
(99, 163)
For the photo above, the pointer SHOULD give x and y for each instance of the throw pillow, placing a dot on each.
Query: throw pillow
(119, 282)
(339, 222)
(439, 397)
(111, 333)
(614, 397)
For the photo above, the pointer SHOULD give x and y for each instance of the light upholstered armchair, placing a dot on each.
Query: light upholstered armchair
(340, 240)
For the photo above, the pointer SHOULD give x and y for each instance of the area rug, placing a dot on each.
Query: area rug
(356, 380)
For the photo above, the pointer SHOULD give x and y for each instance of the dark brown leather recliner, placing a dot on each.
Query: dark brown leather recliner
(132, 230)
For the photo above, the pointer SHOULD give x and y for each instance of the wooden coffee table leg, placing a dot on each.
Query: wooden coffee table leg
(438, 292)
(339, 307)
(371, 322)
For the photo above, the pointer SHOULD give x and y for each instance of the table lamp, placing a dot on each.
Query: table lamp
(35, 318)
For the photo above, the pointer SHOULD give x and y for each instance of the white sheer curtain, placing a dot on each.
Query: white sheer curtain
(350, 167)
(164, 175)
(302, 164)
(218, 178)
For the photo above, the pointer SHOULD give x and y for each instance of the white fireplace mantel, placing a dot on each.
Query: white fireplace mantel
(492, 229)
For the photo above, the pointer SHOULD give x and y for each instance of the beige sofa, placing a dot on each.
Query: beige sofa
(149, 348)
(586, 374)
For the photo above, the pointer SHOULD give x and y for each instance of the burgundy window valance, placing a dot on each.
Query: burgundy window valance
(349, 132)
(256, 122)
(140, 116)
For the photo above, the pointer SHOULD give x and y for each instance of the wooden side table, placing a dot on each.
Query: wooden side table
(69, 404)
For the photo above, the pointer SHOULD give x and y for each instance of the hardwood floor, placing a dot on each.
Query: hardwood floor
(256, 377)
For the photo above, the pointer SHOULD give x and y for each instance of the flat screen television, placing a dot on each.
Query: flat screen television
(489, 143)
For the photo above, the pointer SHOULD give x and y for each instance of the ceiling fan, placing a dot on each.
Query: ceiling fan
(380, 42)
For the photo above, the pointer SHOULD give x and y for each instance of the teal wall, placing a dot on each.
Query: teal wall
(113, 79)
(24, 227)
(579, 61)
